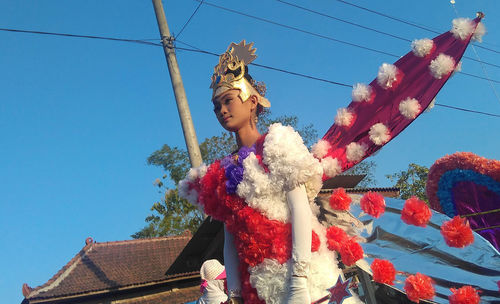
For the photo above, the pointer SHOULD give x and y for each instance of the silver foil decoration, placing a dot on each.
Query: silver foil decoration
(416, 249)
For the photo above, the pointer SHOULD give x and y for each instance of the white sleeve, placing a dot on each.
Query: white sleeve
(301, 230)
(231, 263)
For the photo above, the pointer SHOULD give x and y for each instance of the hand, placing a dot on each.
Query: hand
(299, 294)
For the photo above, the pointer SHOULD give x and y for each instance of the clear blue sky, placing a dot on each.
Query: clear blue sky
(79, 117)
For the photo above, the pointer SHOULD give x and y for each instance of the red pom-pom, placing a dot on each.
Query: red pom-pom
(383, 271)
(464, 295)
(350, 251)
(339, 200)
(418, 287)
(335, 237)
(373, 204)
(457, 232)
(416, 212)
(315, 242)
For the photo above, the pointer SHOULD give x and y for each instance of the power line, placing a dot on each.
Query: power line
(82, 36)
(198, 50)
(187, 22)
(369, 28)
(467, 110)
(407, 22)
(344, 21)
(298, 29)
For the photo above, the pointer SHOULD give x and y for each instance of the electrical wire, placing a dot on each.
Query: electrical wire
(369, 28)
(319, 35)
(479, 59)
(467, 110)
(82, 36)
(298, 29)
(198, 50)
(187, 22)
(344, 21)
(406, 22)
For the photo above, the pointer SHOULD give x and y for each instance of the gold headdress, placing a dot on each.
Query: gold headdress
(230, 71)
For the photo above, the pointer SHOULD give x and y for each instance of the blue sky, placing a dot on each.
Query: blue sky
(79, 117)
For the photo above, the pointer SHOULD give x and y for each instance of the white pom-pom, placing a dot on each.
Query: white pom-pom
(355, 152)
(479, 32)
(387, 75)
(379, 134)
(331, 166)
(431, 105)
(320, 149)
(361, 92)
(441, 66)
(344, 117)
(409, 108)
(422, 47)
(462, 28)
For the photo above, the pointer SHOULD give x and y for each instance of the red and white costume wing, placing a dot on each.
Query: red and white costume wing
(400, 93)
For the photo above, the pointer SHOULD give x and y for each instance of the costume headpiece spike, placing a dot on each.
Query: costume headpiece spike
(229, 73)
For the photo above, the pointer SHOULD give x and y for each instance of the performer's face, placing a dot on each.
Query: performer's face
(232, 113)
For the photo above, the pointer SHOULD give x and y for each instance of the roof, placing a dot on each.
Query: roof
(172, 296)
(343, 180)
(112, 266)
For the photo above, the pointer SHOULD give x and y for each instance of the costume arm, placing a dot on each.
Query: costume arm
(231, 263)
(301, 244)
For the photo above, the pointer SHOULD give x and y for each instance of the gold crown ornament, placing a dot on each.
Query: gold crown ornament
(230, 71)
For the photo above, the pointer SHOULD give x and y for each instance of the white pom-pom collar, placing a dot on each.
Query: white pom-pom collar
(422, 47)
(462, 28)
(441, 66)
(344, 118)
(362, 92)
(409, 108)
(355, 152)
(320, 149)
(389, 76)
(379, 134)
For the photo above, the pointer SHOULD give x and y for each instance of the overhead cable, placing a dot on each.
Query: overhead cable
(369, 28)
(198, 50)
(406, 22)
(187, 22)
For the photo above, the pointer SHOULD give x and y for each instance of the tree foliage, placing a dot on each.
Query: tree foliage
(411, 182)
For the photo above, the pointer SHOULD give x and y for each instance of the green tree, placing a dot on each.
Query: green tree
(173, 215)
(411, 182)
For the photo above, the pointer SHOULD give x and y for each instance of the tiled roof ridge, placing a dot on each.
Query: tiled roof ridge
(364, 189)
(134, 285)
(145, 240)
(89, 245)
(63, 272)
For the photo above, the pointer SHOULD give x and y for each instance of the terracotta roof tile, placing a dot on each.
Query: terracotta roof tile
(113, 265)
(172, 296)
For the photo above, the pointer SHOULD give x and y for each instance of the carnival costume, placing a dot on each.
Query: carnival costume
(254, 191)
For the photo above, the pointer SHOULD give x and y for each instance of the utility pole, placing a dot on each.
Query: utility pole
(178, 86)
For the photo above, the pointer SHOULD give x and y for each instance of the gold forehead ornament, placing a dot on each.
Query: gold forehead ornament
(230, 71)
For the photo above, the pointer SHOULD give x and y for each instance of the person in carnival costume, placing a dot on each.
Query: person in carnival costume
(264, 193)
(275, 249)
(212, 286)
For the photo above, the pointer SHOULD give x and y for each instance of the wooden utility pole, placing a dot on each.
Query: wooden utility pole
(180, 93)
